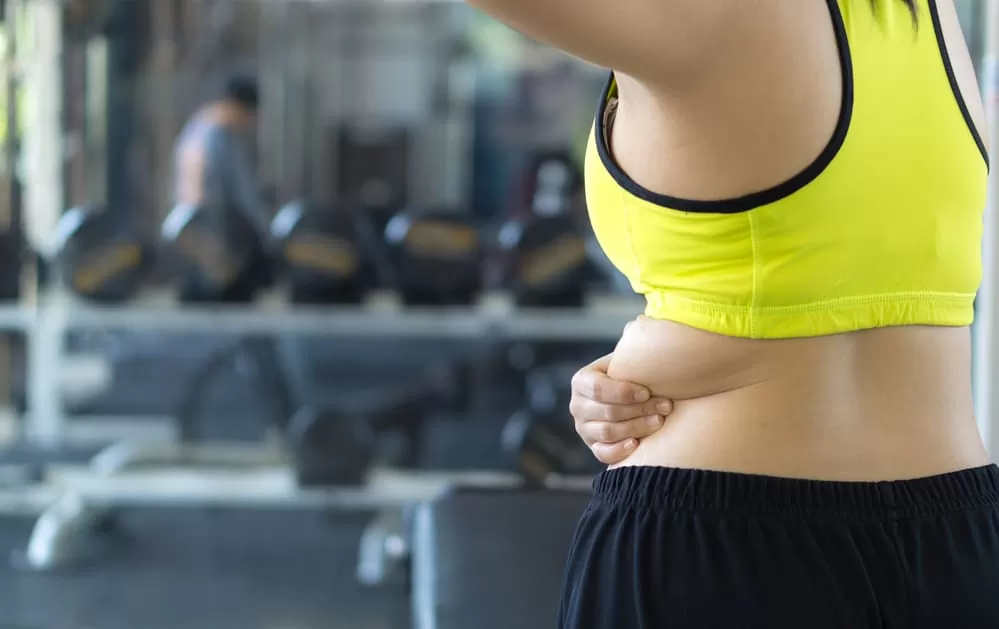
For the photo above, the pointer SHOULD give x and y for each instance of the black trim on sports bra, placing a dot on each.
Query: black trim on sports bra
(952, 79)
(753, 199)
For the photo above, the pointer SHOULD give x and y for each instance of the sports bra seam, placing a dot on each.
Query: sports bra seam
(955, 87)
(755, 290)
(883, 298)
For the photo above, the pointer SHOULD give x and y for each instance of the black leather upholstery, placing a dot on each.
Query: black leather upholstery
(492, 559)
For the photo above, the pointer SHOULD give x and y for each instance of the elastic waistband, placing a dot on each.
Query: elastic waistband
(699, 490)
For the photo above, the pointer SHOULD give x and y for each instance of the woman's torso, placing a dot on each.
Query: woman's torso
(882, 403)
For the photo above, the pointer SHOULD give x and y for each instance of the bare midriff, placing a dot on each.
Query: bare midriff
(883, 404)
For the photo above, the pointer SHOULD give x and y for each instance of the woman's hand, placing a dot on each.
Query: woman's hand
(613, 416)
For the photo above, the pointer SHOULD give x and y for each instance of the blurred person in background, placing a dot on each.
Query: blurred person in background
(213, 155)
(798, 190)
(214, 171)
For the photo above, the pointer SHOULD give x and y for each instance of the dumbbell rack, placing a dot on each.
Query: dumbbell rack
(492, 320)
(74, 499)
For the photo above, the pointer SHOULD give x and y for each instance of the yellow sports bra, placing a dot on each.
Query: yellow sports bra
(884, 228)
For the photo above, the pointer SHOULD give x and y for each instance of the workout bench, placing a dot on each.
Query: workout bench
(492, 558)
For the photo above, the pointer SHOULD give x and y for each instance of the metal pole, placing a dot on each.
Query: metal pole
(986, 353)
(43, 140)
(44, 195)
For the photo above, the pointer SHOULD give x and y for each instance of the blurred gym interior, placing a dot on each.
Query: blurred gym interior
(355, 420)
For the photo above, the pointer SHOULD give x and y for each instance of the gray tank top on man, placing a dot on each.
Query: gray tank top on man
(229, 182)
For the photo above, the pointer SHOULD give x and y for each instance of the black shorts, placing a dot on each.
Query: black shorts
(662, 548)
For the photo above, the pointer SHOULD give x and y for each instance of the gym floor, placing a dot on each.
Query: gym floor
(198, 569)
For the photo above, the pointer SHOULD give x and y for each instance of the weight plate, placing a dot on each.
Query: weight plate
(97, 259)
(321, 254)
(549, 260)
(437, 255)
(215, 250)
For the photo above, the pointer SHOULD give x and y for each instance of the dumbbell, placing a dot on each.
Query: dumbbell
(96, 258)
(320, 254)
(547, 261)
(337, 445)
(330, 448)
(220, 254)
(554, 183)
(436, 256)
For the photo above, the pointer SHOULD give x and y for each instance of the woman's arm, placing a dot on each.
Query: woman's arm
(655, 40)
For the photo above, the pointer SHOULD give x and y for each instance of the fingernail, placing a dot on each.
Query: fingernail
(641, 395)
(665, 407)
(655, 421)
(630, 444)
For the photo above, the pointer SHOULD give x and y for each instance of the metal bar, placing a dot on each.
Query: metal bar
(446, 323)
(124, 456)
(320, 321)
(103, 429)
(15, 318)
(557, 326)
(96, 92)
(45, 419)
(382, 317)
(43, 137)
(424, 569)
(268, 488)
(45, 201)
(986, 352)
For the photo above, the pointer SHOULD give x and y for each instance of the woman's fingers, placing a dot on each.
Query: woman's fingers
(592, 382)
(611, 453)
(585, 410)
(613, 432)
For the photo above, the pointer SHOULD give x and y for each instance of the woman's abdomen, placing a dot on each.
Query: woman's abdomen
(883, 404)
